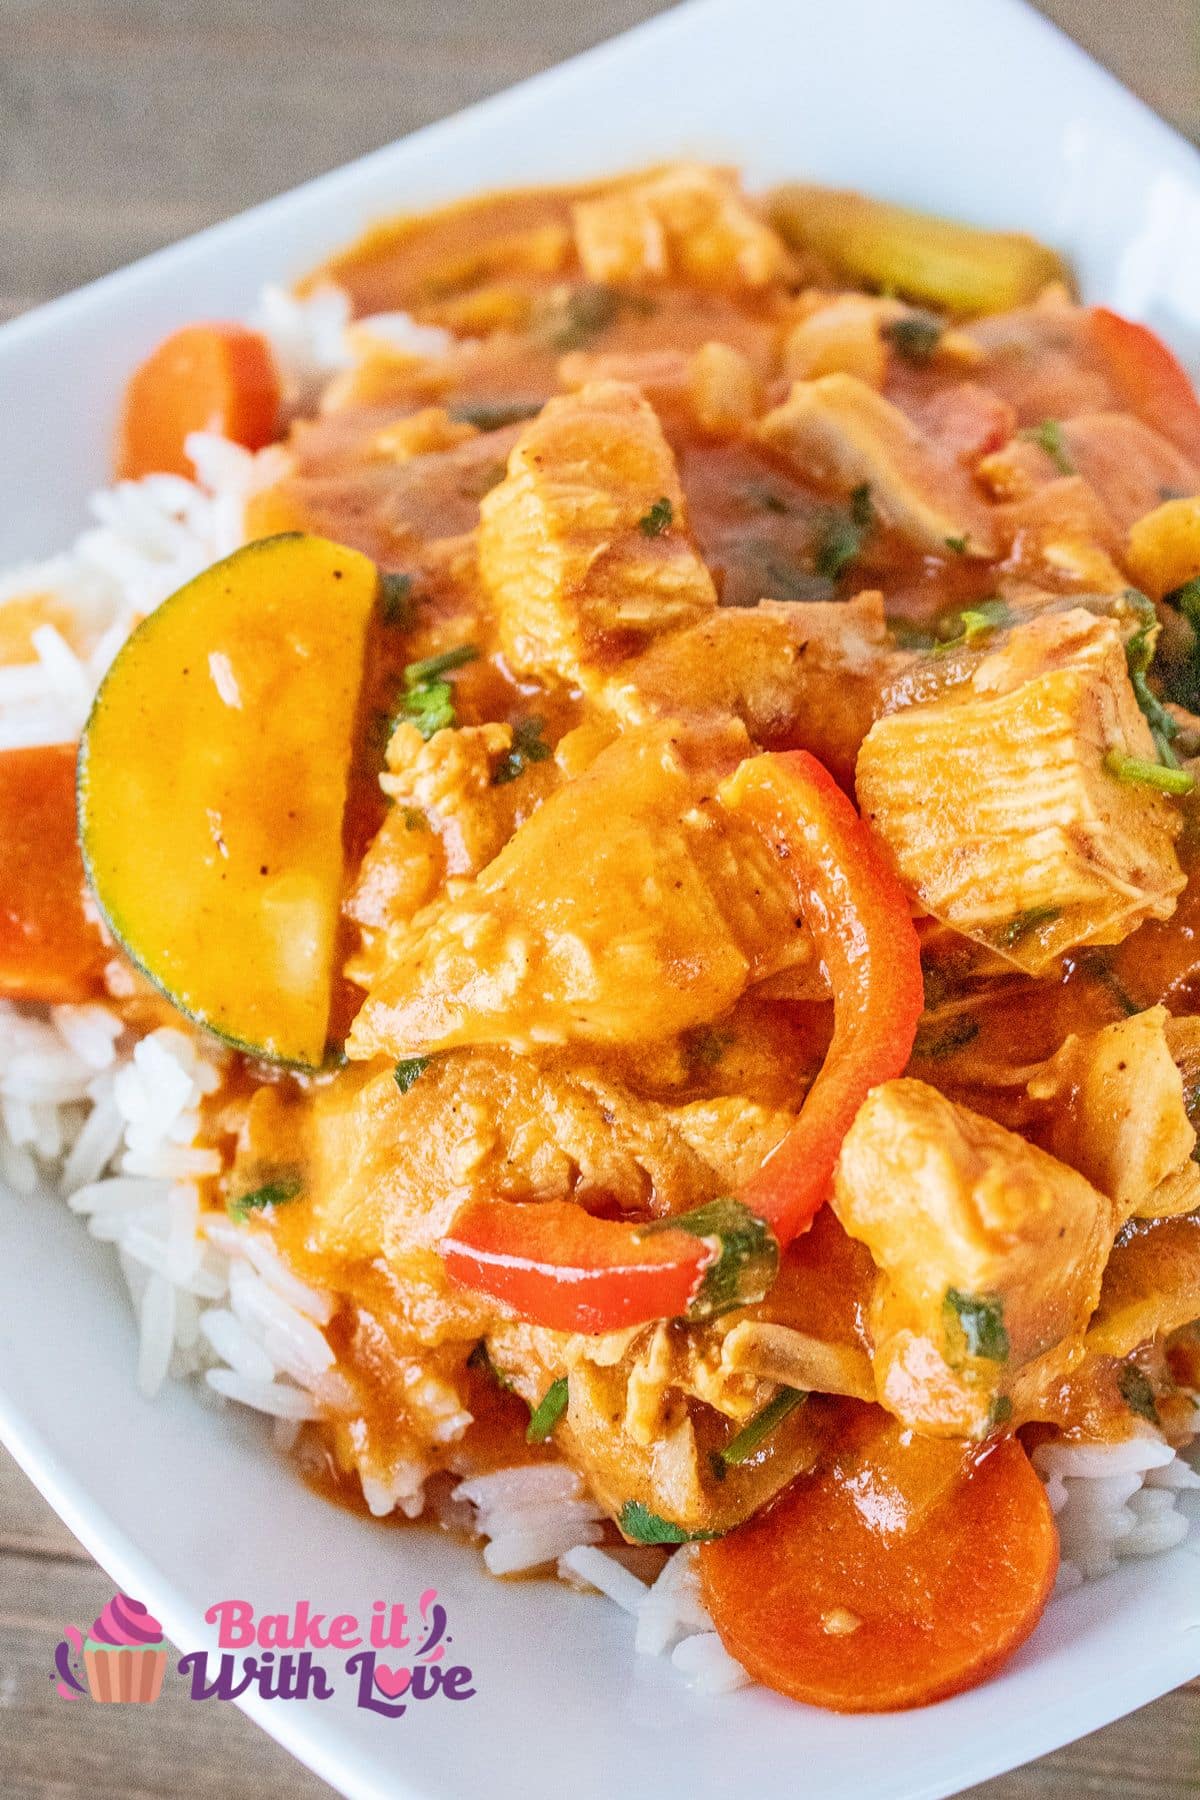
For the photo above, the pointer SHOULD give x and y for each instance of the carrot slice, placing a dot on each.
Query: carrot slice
(874, 1586)
(49, 948)
(219, 377)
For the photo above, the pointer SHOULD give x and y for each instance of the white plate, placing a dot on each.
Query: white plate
(979, 110)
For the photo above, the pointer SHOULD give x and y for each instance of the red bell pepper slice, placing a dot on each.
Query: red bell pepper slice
(858, 916)
(1149, 378)
(562, 1267)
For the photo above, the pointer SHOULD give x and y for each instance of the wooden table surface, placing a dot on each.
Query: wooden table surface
(125, 124)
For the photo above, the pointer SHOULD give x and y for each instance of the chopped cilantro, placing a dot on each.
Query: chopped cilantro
(999, 1412)
(395, 600)
(548, 1411)
(916, 335)
(528, 746)
(974, 1325)
(974, 622)
(428, 696)
(576, 316)
(494, 415)
(410, 1071)
(1137, 1393)
(479, 1359)
(1031, 920)
(1181, 681)
(704, 1047)
(272, 1193)
(1139, 654)
(646, 1527)
(957, 544)
(1048, 436)
(757, 1430)
(658, 519)
(843, 535)
(1149, 774)
(766, 498)
(933, 1044)
(747, 1262)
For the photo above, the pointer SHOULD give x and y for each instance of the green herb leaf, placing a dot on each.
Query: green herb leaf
(658, 519)
(704, 1047)
(395, 600)
(494, 415)
(747, 1261)
(272, 1193)
(646, 1527)
(974, 1325)
(999, 1412)
(1139, 654)
(1137, 1393)
(479, 1359)
(916, 335)
(1181, 679)
(1023, 924)
(957, 544)
(933, 1042)
(766, 498)
(528, 746)
(410, 1071)
(1149, 774)
(576, 316)
(548, 1411)
(1048, 436)
(757, 1430)
(843, 535)
(975, 622)
(428, 696)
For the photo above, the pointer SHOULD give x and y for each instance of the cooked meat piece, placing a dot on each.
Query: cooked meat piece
(1151, 1286)
(631, 906)
(840, 432)
(690, 223)
(1112, 1105)
(584, 544)
(812, 674)
(998, 811)
(990, 1255)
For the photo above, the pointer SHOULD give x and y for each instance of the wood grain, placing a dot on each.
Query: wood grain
(125, 124)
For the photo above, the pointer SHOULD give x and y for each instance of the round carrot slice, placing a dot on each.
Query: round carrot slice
(219, 377)
(835, 1597)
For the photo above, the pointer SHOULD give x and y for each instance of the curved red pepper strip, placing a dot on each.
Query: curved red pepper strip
(1149, 378)
(856, 911)
(557, 1265)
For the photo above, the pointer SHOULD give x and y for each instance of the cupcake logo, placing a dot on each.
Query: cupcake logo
(122, 1658)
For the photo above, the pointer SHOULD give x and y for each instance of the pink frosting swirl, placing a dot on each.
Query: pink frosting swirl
(126, 1622)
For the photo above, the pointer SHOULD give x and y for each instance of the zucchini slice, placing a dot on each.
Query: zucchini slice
(212, 781)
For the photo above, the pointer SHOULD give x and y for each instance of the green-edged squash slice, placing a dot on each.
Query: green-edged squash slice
(212, 782)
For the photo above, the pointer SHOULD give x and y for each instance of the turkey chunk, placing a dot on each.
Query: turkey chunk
(689, 222)
(584, 544)
(631, 906)
(997, 808)
(990, 1256)
(1114, 1109)
(839, 431)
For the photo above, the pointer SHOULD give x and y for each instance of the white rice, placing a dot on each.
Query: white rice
(114, 1122)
